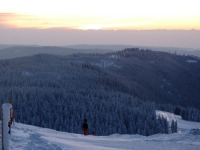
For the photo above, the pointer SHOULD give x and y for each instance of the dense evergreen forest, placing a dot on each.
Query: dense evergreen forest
(117, 92)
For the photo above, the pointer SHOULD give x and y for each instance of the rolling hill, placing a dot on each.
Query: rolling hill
(148, 75)
(22, 51)
(15, 51)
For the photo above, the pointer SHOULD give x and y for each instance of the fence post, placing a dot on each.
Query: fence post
(5, 122)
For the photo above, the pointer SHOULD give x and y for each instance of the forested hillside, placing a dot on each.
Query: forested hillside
(117, 92)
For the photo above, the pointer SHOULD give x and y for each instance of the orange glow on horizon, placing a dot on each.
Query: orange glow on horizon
(102, 15)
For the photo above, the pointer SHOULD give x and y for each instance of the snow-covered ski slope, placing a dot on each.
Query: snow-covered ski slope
(182, 124)
(25, 137)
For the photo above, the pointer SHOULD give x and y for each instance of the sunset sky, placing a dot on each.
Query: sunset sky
(99, 15)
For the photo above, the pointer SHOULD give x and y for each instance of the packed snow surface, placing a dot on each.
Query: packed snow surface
(26, 137)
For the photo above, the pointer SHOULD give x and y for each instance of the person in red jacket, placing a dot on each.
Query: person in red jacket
(85, 127)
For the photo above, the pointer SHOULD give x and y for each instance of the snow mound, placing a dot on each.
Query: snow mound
(182, 124)
(168, 116)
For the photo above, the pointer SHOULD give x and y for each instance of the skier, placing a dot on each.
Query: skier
(85, 127)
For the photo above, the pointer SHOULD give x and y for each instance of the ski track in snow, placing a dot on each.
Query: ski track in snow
(25, 137)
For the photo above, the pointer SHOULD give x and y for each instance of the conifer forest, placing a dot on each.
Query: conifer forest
(117, 92)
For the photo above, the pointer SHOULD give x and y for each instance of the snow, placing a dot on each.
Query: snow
(26, 137)
(191, 61)
(168, 116)
(182, 124)
(114, 56)
(106, 64)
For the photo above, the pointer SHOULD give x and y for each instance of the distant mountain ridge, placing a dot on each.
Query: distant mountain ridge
(14, 51)
(22, 51)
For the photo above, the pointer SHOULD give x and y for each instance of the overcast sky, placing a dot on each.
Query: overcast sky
(170, 23)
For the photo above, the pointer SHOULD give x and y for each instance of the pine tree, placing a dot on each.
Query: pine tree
(174, 126)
